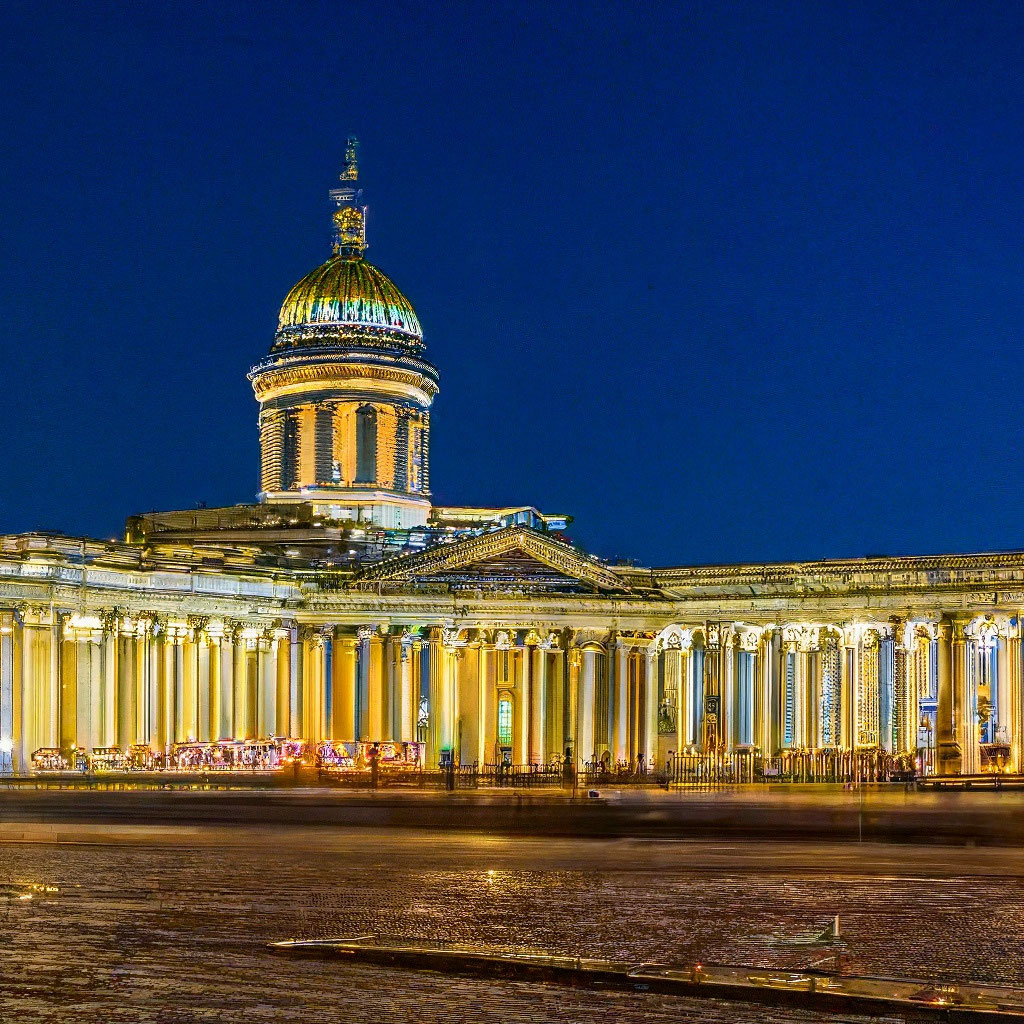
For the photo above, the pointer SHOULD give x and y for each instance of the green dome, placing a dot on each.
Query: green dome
(347, 292)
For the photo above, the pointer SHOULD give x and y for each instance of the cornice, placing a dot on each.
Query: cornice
(939, 568)
(269, 381)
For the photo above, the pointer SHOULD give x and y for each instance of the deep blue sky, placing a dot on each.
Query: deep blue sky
(725, 281)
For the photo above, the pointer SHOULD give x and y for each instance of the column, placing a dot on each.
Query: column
(158, 687)
(848, 690)
(965, 700)
(776, 711)
(712, 690)
(216, 700)
(296, 686)
(362, 693)
(868, 686)
(108, 682)
(171, 689)
(572, 661)
(812, 704)
(313, 658)
(203, 658)
(469, 704)
(343, 686)
(188, 653)
(44, 669)
(1000, 692)
(38, 666)
(67, 702)
(417, 661)
(727, 732)
(282, 723)
(886, 692)
(649, 743)
(30, 691)
(239, 685)
(376, 706)
(948, 749)
(800, 684)
(266, 722)
(1015, 713)
(407, 730)
(145, 684)
(523, 699)
(539, 751)
(621, 704)
(393, 687)
(433, 666)
(53, 715)
(488, 702)
(10, 696)
(762, 703)
(904, 701)
(830, 706)
(449, 692)
(750, 691)
(585, 705)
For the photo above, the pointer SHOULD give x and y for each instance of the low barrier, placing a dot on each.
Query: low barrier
(707, 771)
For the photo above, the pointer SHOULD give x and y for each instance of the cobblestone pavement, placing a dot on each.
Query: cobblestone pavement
(170, 924)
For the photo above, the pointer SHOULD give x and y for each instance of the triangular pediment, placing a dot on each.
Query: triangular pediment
(516, 557)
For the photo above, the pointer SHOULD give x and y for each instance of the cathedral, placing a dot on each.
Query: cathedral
(343, 612)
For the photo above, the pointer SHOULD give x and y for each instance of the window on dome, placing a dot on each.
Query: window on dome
(366, 445)
(291, 451)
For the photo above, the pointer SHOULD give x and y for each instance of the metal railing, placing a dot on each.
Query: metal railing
(710, 771)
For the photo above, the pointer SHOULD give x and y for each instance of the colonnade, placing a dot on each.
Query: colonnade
(944, 689)
(86, 681)
(347, 444)
(946, 686)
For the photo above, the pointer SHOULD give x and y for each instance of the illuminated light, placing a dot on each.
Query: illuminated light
(6, 746)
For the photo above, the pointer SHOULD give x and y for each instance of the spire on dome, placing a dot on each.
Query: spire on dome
(350, 211)
(351, 172)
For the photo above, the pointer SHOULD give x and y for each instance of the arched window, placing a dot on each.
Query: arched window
(505, 722)
(366, 445)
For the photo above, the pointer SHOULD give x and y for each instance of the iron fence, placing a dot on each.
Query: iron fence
(714, 770)
(697, 771)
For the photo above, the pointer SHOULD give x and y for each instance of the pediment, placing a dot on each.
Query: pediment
(516, 557)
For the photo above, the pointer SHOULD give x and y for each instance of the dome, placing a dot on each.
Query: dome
(347, 292)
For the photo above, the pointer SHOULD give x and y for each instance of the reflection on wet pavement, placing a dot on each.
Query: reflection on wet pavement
(171, 925)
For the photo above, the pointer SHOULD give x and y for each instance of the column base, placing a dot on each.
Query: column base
(950, 758)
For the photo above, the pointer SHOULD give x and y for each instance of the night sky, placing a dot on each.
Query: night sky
(724, 281)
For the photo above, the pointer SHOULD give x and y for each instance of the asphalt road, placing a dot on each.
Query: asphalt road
(824, 813)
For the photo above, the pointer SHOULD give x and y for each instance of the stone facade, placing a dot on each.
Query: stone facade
(105, 645)
(346, 608)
